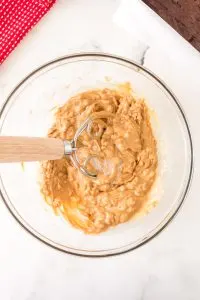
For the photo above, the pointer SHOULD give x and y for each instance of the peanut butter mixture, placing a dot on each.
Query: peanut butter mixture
(125, 149)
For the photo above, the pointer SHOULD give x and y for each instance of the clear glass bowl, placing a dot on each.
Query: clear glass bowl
(28, 111)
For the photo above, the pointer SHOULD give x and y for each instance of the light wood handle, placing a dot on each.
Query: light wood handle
(17, 149)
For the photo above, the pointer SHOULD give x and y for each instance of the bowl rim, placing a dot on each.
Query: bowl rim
(152, 234)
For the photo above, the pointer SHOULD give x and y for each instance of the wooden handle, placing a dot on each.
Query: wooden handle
(17, 149)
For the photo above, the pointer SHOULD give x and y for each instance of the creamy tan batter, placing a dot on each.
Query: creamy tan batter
(126, 149)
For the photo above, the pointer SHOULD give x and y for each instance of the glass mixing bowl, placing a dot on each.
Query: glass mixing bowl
(29, 111)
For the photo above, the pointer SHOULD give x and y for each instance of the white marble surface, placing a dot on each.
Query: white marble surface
(169, 266)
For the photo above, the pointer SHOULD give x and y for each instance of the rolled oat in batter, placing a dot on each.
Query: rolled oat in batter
(126, 146)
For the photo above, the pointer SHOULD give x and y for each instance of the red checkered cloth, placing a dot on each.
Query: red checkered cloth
(17, 17)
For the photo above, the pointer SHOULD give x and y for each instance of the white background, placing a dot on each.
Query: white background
(169, 266)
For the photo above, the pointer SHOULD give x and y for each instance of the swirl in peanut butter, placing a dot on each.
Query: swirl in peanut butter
(125, 149)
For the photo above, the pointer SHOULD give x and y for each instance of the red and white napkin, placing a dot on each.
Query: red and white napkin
(17, 17)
